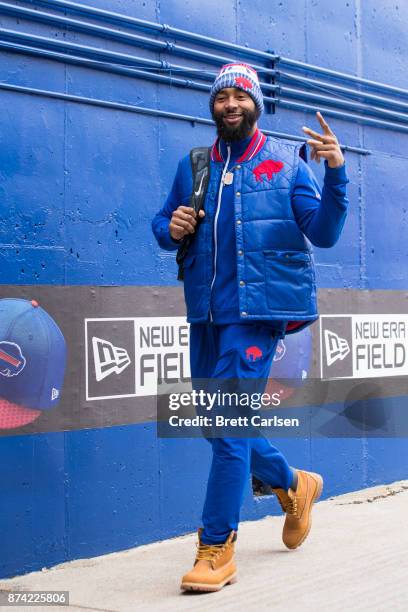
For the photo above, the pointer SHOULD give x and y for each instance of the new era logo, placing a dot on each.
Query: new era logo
(336, 345)
(337, 348)
(54, 394)
(108, 359)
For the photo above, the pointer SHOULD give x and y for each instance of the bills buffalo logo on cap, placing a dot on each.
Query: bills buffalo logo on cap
(253, 353)
(12, 360)
(243, 82)
(268, 167)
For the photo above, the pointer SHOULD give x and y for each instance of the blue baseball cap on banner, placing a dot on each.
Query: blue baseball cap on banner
(32, 355)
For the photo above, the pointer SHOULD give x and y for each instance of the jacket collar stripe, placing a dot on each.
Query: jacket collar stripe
(252, 144)
(255, 145)
(258, 146)
(215, 156)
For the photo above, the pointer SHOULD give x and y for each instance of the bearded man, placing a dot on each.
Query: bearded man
(248, 280)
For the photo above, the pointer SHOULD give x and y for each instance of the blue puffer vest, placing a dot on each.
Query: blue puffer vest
(275, 271)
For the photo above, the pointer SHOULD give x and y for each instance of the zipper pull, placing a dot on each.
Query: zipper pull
(228, 175)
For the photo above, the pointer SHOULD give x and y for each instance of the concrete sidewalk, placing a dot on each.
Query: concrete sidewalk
(355, 558)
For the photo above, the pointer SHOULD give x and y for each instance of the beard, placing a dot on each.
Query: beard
(231, 133)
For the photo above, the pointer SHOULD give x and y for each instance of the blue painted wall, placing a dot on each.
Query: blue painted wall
(79, 186)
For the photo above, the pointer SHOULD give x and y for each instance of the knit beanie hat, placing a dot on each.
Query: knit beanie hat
(242, 77)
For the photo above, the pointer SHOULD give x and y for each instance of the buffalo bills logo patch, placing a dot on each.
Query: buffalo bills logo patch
(12, 360)
(267, 168)
(253, 353)
(280, 351)
(243, 82)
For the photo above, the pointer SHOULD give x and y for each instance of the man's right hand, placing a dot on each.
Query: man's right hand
(183, 222)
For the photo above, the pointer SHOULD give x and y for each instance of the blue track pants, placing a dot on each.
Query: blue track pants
(241, 352)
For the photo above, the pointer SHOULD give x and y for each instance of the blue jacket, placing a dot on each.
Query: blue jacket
(274, 277)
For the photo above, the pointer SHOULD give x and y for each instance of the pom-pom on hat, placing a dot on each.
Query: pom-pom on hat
(242, 77)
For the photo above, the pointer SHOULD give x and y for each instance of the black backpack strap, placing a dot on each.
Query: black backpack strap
(200, 168)
(303, 152)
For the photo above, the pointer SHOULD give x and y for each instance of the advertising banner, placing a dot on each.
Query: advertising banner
(82, 357)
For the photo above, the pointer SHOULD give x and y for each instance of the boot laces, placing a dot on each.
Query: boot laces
(287, 504)
(291, 506)
(209, 552)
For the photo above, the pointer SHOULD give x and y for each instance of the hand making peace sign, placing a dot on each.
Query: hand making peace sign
(325, 145)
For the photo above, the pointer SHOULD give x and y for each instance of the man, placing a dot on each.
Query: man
(248, 280)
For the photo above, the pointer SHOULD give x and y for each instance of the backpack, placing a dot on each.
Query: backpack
(200, 167)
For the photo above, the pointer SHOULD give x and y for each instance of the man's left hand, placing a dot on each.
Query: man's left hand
(325, 145)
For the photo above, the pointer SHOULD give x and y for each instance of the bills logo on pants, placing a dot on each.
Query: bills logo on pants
(253, 353)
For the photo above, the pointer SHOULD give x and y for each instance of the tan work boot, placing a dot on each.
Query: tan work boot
(298, 507)
(214, 566)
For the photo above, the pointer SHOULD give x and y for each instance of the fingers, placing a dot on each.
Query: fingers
(324, 124)
(177, 231)
(328, 154)
(317, 148)
(317, 144)
(325, 154)
(327, 136)
(313, 155)
(312, 133)
(186, 209)
(325, 145)
(183, 221)
(185, 212)
(321, 137)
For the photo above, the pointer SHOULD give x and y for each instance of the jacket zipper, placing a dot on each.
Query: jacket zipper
(224, 171)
